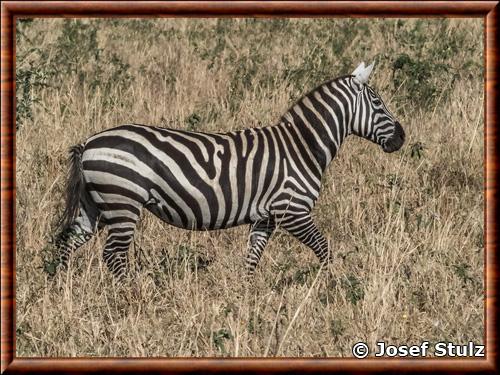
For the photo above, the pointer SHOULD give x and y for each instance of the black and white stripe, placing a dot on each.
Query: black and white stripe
(265, 177)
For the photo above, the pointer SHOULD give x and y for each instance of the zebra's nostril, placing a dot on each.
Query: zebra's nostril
(396, 140)
(399, 131)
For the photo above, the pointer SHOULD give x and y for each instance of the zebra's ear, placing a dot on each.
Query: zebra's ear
(362, 72)
(359, 69)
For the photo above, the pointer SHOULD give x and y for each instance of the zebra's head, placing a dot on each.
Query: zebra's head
(372, 120)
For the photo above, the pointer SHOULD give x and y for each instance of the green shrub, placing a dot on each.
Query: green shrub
(75, 55)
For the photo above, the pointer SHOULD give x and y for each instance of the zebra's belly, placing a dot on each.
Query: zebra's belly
(182, 206)
(191, 221)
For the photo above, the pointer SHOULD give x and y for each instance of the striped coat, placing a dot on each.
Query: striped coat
(265, 177)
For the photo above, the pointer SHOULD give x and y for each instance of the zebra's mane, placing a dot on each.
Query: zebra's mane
(311, 91)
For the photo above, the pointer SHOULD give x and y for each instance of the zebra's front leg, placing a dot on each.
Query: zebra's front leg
(257, 241)
(303, 228)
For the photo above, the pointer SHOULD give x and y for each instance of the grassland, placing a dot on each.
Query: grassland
(406, 228)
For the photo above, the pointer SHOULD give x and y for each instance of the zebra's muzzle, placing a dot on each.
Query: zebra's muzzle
(397, 139)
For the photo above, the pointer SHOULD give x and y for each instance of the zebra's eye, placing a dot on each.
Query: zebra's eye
(377, 102)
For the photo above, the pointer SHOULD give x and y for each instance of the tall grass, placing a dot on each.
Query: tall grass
(406, 228)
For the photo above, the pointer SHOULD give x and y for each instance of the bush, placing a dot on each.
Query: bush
(75, 55)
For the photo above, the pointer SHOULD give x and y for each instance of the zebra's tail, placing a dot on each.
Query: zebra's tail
(75, 186)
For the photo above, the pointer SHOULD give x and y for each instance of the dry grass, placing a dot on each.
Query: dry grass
(406, 228)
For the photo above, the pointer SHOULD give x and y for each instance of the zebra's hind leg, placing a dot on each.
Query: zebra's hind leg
(120, 236)
(68, 241)
(303, 228)
(75, 235)
(257, 240)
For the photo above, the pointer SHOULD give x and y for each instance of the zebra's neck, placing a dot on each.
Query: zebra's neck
(323, 118)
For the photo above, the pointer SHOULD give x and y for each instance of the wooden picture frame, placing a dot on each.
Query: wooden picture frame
(10, 10)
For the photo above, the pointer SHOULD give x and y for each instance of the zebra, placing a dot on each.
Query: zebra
(267, 177)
